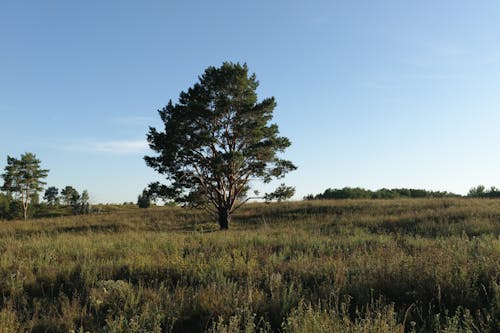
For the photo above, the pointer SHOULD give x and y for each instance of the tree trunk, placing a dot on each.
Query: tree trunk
(24, 202)
(25, 210)
(224, 219)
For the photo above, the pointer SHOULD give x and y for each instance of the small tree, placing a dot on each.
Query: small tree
(70, 195)
(51, 195)
(23, 178)
(477, 192)
(216, 140)
(81, 203)
(144, 199)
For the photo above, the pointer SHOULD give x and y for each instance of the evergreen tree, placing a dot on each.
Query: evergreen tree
(81, 203)
(51, 195)
(216, 140)
(23, 179)
(144, 199)
(70, 195)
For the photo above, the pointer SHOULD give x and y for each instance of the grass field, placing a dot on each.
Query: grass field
(430, 265)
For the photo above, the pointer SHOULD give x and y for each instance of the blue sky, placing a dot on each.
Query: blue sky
(371, 93)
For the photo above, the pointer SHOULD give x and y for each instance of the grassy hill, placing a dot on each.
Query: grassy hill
(415, 265)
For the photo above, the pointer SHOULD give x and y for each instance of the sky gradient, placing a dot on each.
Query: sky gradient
(371, 93)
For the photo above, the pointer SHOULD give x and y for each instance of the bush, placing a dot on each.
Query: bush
(144, 199)
(4, 206)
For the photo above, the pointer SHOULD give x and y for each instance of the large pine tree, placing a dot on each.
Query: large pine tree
(217, 140)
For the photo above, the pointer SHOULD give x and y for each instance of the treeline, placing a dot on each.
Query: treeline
(384, 193)
(70, 202)
(479, 191)
(482, 192)
(23, 181)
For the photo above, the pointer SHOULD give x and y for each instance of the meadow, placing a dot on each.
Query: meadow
(406, 265)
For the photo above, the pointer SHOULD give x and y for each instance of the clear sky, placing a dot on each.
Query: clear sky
(371, 93)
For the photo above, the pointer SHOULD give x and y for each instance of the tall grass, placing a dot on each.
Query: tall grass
(430, 265)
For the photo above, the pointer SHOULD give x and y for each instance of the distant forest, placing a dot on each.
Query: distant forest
(396, 193)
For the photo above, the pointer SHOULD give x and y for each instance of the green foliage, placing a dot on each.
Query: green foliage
(395, 193)
(51, 195)
(428, 265)
(481, 192)
(70, 195)
(282, 193)
(478, 191)
(215, 140)
(144, 199)
(23, 179)
(81, 202)
(4, 206)
(16, 211)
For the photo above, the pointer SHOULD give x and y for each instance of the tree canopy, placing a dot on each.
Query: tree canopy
(23, 178)
(216, 140)
(144, 200)
(70, 195)
(51, 195)
(384, 193)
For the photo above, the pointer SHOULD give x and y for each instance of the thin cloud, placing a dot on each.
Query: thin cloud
(124, 147)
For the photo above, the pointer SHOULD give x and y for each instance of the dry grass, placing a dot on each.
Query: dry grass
(430, 265)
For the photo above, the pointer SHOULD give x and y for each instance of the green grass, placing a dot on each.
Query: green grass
(430, 265)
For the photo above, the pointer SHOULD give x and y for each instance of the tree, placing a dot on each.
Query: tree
(51, 195)
(23, 178)
(217, 140)
(477, 192)
(85, 197)
(70, 195)
(81, 203)
(144, 199)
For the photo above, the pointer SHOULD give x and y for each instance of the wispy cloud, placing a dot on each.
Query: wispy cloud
(122, 147)
(116, 147)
